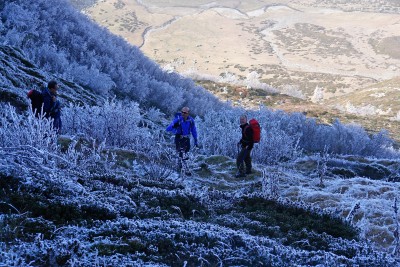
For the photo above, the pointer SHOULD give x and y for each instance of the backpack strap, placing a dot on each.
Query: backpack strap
(245, 129)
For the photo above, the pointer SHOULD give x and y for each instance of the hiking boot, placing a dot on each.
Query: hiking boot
(240, 175)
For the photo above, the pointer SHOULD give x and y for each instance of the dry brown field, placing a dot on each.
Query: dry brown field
(350, 50)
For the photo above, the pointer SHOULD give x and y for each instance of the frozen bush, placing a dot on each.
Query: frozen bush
(25, 130)
(116, 122)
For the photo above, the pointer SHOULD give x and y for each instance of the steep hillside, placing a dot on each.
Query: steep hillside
(107, 191)
(381, 99)
(19, 75)
(375, 107)
(70, 45)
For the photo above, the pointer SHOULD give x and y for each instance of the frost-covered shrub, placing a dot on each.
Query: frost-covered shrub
(91, 77)
(284, 136)
(318, 95)
(270, 184)
(157, 160)
(396, 232)
(153, 116)
(69, 44)
(219, 133)
(277, 146)
(115, 122)
(30, 145)
(366, 110)
(397, 117)
(322, 165)
(27, 144)
(25, 130)
(292, 90)
(228, 77)
(341, 138)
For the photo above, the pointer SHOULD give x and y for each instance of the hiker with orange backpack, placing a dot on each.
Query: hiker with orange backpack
(250, 135)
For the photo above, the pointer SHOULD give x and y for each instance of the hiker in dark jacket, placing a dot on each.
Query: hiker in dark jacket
(183, 126)
(245, 145)
(51, 105)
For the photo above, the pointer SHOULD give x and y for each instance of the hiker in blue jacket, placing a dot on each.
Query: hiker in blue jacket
(51, 105)
(245, 144)
(182, 126)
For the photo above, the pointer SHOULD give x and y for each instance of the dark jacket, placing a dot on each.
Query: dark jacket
(52, 109)
(49, 107)
(247, 136)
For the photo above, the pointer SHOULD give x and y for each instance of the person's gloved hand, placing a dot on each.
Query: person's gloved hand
(176, 124)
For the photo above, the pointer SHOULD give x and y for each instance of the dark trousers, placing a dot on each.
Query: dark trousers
(182, 145)
(244, 159)
(57, 124)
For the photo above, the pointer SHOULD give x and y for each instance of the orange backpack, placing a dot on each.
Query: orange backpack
(255, 126)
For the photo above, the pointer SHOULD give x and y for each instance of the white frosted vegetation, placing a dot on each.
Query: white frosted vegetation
(87, 176)
(374, 218)
(364, 110)
(105, 192)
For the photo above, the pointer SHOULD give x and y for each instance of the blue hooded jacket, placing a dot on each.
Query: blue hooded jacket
(184, 128)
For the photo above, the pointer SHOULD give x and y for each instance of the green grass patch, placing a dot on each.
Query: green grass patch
(183, 204)
(124, 247)
(216, 160)
(40, 202)
(294, 219)
(294, 225)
